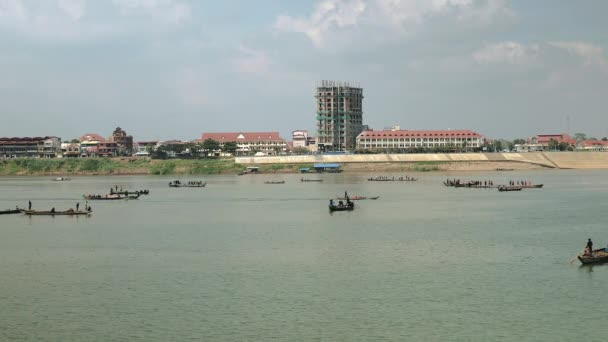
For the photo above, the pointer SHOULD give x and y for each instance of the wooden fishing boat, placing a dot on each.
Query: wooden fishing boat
(509, 188)
(56, 213)
(191, 185)
(274, 182)
(358, 198)
(598, 256)
(61, 179)
(392, 179)
(11, 211)
(112, 197)
(311, 180)
(345, 207)
(534, 186)
(137, 192)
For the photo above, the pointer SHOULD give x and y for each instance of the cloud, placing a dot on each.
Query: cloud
(73, 8)
(397, 16)
(170, 11)
(592, 55)
(506, 52)
(327, 15)
(252, 61)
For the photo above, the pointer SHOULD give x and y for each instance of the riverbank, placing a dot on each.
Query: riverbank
(145, 166)
(132, 166)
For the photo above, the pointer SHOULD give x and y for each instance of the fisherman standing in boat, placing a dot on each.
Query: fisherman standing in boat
(590, 247)
(29, 205)
(77, 205)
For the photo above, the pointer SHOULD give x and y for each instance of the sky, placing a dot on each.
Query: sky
(173, 69)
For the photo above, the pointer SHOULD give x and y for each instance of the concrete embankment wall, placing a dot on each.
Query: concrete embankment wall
(574, 160)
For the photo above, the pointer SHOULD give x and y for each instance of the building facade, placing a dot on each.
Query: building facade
(542, 142)
(299, 138)
(268, 143)
(36, 147)
(339, 115)
(70, 150)
(123, 141)
(410, 139)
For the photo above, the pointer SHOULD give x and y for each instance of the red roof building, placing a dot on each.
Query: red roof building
(269, 143)
(418, 139)
(40, 147)
(594, 145)
(543, 139)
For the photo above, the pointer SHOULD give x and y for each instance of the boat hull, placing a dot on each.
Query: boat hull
(599, 256)
(13, 211)
(57, 213)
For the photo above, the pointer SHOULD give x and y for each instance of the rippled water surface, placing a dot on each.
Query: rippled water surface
(243, 261)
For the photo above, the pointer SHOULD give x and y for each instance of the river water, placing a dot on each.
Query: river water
(244, 261)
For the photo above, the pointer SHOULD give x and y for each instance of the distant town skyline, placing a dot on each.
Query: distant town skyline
(173, 69)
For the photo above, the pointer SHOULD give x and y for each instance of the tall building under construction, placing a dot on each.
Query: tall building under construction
(339, 115)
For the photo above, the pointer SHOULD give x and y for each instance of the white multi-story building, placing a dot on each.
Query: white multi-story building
(299, 138)
(408, 139)
(268, 143)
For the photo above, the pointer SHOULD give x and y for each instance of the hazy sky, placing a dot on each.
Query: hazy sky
(165, 69)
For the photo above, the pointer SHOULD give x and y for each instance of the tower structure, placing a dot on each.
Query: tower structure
(339, 115)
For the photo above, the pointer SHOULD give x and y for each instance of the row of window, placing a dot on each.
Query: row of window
(419, 139)
(380, 145)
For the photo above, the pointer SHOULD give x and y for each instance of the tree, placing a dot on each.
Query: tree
(564, 146)
(519, 141)
(580, 137)
(497, 145)
(74, 141)
(230, 147)
(553, 145)
(210, 145)
(604, 139)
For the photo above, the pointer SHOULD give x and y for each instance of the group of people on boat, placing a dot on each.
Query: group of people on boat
(195, 182)
(121, 192)
(520, 183)
(458, 182)
(386, 178)
(87, 207)
(342, 204)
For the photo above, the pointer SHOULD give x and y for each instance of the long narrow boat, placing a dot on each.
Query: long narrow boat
(11, 211)
(598, 256)
(56, 213)
(534, 186)
(358, 198)
(137, 192)
(345, 207)
(182, 185)
(392, 179)
(509, 188)
(113, 197)
(311, 180)
(274, 182)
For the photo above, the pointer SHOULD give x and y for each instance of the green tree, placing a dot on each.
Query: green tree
(604, 139)
(301, 150)
(210, 146)
(580, 137)
(553, 145)
(563, 146)
(74, 141)
(519, 141)
(497, 144)
(230, 147)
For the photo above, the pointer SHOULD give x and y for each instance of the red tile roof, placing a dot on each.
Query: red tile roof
(421, 133)
(23, 140)
(92, 137)
(560, 138)
(594, 143)
(242, 136)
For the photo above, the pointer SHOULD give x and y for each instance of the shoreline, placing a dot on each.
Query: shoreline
(227, 166)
